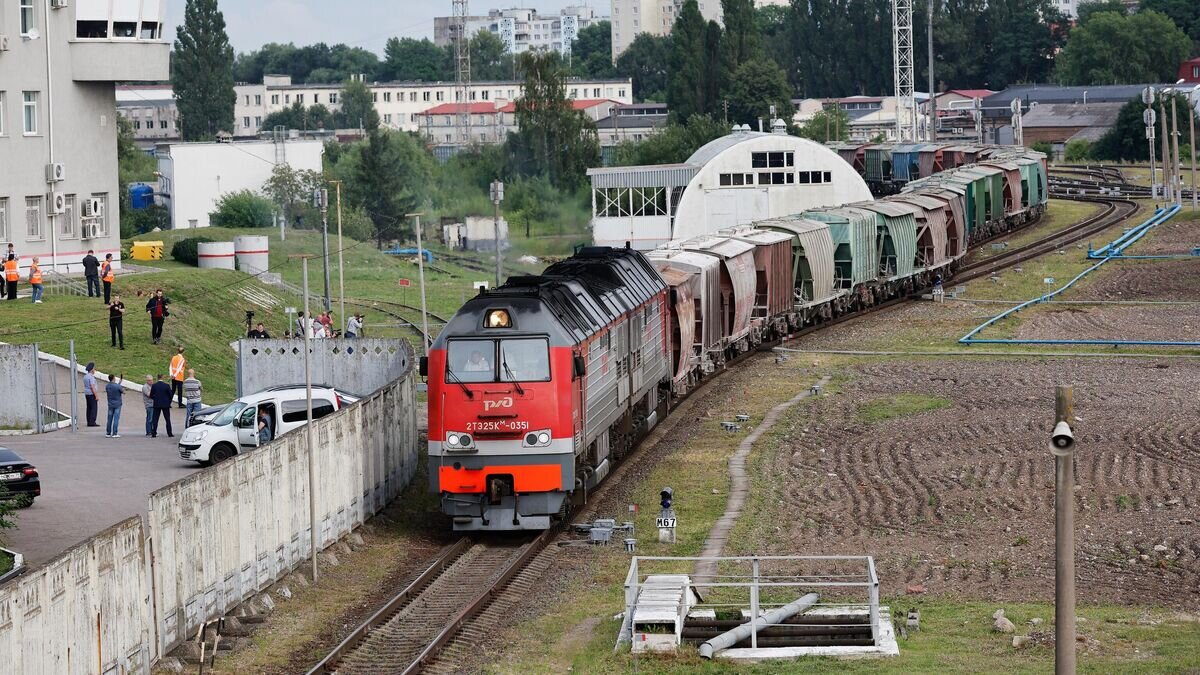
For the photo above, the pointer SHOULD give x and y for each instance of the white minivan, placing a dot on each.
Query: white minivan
(236, 428)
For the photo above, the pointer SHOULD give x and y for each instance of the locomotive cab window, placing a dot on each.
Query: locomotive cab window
(524, 360)
(508, 360)
(472, 360)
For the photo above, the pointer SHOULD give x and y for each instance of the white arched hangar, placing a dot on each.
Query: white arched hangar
(734, 180)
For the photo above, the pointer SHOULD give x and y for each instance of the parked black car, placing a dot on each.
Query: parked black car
(19, 477)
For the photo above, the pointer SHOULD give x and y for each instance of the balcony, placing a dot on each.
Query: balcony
(120, 60)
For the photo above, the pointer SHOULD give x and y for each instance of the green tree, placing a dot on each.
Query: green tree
(689, 82)
(754, 88)
(645, 62)
(135, 166)
(1126, 140)
(244, 208)
(830, 124)
(591, 52)
(420, 60)
(553, 139)
(1077, 151)
(1022, 41)
(291, 190)
(384, 176)
(1185, 14)
(674, 144)
(358, 108)
(741, 42)
(203, 72)
(489, 59)
(1113, 48)
(296, 116)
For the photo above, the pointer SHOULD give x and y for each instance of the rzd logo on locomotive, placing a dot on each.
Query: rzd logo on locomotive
(505, 402)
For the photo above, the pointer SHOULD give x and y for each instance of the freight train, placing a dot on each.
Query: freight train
(537, 388)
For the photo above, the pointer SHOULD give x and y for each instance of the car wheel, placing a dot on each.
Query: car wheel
(220, 453)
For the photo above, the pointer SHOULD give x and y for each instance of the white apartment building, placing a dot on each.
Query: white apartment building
(633, 17)
(59, 65)
(399, 104)
(522, 29)
(151, 111)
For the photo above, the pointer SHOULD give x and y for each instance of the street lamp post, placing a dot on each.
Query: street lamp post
(341, 264)
(321, 201)
(1148, 120)
(427, 340)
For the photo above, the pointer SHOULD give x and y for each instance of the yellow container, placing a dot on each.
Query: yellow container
(147, 250)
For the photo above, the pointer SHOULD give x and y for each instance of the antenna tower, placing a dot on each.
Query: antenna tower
(902, 61)
(462, 71)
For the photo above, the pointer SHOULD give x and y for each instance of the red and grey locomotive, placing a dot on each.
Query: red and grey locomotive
(537, 386)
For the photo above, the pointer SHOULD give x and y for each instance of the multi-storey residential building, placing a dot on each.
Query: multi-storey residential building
(490, 122)
(656, 17)
(151, 111)
(399, 103)
(522, 29)
(59, 65)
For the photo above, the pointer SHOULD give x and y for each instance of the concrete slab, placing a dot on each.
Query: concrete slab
(90, 482)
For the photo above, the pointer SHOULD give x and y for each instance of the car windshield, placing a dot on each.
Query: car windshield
(507, 360)
(229, 414)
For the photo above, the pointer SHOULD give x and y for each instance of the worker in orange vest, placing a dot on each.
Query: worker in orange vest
(11, 274)
(106, 275)
(35, 281)
(178, 368)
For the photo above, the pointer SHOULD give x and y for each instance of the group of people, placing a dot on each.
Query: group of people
(322, 326)
(12, 275)
(158, 306)
(156, 397)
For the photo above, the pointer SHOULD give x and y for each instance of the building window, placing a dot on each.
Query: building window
(316, 97)
(67, 229)
(247, 99)
(33, 219)
(441, 96)
(484, 94)
(274, 99)
(102, 219)
(3, 108)
(30, 112)
(257, 122)
(287, 98)
(387, 119)
(412, 96)
(4, 219)
(333, 97)
(620, 93)
(425, 96)
(27, 17)
(258, 99)
(137, 125)
(772, 160)
(387, 97)
(91, 29)
(150, 30)
(246, 125)
(374, 97)
(300, 98)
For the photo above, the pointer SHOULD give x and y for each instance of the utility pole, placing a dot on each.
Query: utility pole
(1193, 99)
(902, 70)
(1062, 446)
(497, 195)
(1176, 169)
(313, 525)
(421, 280)
(341, 265)
(932, 131)
(321, 201)
(1166, 149)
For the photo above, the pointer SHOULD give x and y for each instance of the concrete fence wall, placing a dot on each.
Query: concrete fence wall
(129, 595)
(357, 366)
(222, 535)
(18, 373)
(86, 612)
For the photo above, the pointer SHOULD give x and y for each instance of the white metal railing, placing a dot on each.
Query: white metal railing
(746, 579)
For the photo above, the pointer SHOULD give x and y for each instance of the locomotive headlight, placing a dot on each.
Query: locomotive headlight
(456, 440)
(537, 439)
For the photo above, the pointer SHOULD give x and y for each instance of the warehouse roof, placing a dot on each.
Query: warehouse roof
(1070, 115)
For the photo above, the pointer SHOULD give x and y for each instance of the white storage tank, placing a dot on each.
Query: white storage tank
(252, 253)
(215, 255)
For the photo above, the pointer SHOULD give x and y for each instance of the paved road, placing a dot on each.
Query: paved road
(90, 482)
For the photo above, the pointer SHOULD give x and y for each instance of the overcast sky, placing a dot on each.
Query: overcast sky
(359, 23)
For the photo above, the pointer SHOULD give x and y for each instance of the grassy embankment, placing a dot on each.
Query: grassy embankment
(576, 631)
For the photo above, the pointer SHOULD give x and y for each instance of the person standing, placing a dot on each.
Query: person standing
(161, 394)
(148, 401)
(11, 274)
(177, 370)
(106, 275)
(116, 321)
(35, 281)
(192, 390)
(91, 269)
(115, 393)
(259, 333)
(326, 321)
(354, 326)
(158, 307)
(91, 392)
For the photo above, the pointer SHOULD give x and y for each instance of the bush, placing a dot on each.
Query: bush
(1078, 151)
(187, 250)
(243, 209)
(1044, 148)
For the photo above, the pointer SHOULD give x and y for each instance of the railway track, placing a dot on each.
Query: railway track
(446, 612)
(408, 633)
(412, 323)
